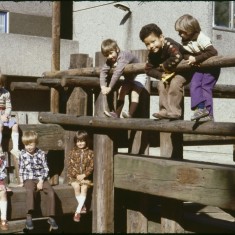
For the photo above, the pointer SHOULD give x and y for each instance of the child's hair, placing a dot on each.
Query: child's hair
(2, 79)
(188, 24)
(82, 136)
(109, 45)
(148, 29)
(29, 137)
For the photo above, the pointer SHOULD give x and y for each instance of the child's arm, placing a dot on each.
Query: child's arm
(103, 76)
(8, 104)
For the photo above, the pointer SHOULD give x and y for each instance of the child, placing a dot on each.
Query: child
(7, 121)
(3, 194)
(118, 59)
(33, 173)
(164, 55)
(80, 167)
(198, 48)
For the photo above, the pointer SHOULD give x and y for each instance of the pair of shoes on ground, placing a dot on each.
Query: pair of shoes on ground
(199, 113)
(4, 225)
(126, 115)
(110, 114)
(165, 115)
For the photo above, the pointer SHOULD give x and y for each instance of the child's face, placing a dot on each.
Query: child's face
(154, 43)
(81, 144)
(112, 56)
(184, 35)
(30, 148)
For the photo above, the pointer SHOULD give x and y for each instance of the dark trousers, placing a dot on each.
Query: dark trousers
(31, 192)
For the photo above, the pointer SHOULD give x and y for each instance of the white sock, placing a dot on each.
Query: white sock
(3, 209)
(15, 140)
(81, 203)
(1, 142)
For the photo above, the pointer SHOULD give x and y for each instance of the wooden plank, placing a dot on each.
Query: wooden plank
(204, 183)
(178, 126)
(27, 86)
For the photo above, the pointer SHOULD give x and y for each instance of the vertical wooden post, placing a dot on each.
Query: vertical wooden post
(103, 189)
(55, 66)
(77, 104)
(55, 63)
(171, 146)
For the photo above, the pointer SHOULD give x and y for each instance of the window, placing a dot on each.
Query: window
(3, 22)
(224, 14)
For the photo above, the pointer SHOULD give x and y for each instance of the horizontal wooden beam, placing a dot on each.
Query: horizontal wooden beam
(216, 61)
(80, 81)
(51, 136)
(204, 183)
(51, 82)
(28, 86)
(178, 126)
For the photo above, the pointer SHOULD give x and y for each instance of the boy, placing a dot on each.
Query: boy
(164, 55)
(33, 173)
(118, 59)
(7, 121)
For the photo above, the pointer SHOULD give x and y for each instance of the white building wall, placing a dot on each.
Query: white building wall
(97, 20)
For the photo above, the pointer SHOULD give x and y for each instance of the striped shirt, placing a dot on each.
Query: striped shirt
(5, 101)
(33, 166)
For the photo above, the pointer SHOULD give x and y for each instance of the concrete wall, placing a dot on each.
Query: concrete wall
(30, 55)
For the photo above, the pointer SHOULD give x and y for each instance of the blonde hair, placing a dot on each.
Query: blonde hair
(109, 45)
(188, 24)
(29, 137)
(2, 80)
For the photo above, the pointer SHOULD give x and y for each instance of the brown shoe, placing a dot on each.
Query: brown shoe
(76, 217)
(83, 210)
(4, 225)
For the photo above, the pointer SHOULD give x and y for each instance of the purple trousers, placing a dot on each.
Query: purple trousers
(201, 86)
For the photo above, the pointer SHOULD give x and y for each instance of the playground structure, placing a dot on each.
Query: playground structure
(133, 192)
(151, 193)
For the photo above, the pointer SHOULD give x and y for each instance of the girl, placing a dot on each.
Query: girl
(80, 167)
(198, 48)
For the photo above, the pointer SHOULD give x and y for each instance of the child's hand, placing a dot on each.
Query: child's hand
(4, 118)
(81, 177)
(39, 185)
(191, 60)
(103, 90)
(108, 89)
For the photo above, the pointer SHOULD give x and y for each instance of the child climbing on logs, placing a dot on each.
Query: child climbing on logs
(198, 48)
(117, 60)
(33, 173)
(164, 55)
(80, 164)
(7, 121)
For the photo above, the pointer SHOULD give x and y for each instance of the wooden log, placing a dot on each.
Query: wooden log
(50, 82)
(27, 86)
(178, 126)
(204, 183)
(80, 81)
(216, 61)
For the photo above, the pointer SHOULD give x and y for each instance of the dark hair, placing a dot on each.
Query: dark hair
(148, 29)
(81, 135)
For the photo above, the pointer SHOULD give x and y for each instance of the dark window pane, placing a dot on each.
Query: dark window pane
(222, 14)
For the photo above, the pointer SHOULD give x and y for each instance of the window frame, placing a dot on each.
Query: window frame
(6, 23)
(231, 27)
